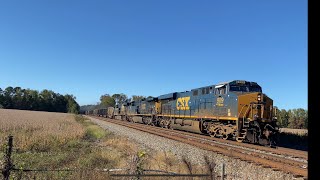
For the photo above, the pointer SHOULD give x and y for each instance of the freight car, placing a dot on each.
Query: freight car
(235, 110)
(102, 112)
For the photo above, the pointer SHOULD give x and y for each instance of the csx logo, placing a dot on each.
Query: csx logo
(183, 103)
(220, 101)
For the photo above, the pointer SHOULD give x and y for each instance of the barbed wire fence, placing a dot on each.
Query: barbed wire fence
(136, 172)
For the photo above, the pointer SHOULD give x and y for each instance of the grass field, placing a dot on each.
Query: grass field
(47, 141)
(301, 132)
(38, 131)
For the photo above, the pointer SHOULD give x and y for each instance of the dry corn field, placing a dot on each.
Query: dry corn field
(45, 140)
(301, 132)
(38, 130)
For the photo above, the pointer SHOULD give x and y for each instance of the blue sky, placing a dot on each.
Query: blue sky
(145, 47)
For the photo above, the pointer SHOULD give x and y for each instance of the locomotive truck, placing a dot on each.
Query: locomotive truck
(237, 110)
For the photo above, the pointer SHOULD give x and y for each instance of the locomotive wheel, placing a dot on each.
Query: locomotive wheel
(161, 123)
(270, 134)
(225, 136)
(154, 121)
(164, 123)
(212, 134)
(167, 123)
(239, 139)
(218, 132)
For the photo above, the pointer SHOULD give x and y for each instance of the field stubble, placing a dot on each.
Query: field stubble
(38, 131)
(45, 141)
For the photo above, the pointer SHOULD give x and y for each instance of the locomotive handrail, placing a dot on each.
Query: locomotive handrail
(245, 114)
(241, 109)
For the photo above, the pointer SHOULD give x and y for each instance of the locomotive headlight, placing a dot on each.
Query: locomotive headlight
(259, 97)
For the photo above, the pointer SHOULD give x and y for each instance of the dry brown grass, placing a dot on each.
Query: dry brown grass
(301, 132)
(127, 153)
(38, 130)
(60, 141)
(45, 140)
(168, 162)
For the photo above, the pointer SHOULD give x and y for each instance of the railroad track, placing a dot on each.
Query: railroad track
(282, 159)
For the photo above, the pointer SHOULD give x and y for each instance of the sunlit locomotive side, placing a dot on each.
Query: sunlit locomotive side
(231, 110)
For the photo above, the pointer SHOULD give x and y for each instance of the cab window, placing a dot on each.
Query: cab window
(195, 92)
(211, 90)
(255, 89)
(239, 88)
(221, 90)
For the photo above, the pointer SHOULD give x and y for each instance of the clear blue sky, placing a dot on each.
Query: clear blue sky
(145, 47)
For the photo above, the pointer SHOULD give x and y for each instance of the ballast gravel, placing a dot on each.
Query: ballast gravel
(234, 168)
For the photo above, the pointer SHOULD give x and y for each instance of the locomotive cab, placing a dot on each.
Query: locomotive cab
(255, 113)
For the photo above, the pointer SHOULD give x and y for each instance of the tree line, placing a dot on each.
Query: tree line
(293, 118)
(46, 100)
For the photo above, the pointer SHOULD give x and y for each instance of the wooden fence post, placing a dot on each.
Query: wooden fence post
(8, 164)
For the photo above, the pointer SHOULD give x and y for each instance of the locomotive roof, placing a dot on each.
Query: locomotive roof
(228, 82)
(223, 83)
(172, 95)
(237, 82)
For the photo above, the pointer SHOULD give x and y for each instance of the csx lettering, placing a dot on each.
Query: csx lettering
(183, 103)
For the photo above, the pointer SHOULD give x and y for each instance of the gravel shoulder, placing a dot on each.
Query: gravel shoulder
(234, 168)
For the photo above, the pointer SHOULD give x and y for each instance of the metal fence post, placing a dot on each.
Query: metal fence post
(222, 171)
(8, 164)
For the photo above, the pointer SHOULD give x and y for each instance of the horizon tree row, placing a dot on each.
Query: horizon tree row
(45, 100)
(293, 118)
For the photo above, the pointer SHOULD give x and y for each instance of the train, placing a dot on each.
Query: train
(235, 110)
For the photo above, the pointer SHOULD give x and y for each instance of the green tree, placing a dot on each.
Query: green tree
(72, 105)
(119, 98)
(283, 118)
(1, 98)
(24, 99)
(137, 98)
(107, 101)
(306, 120)
(32, 99)
(7, 100)
(298, 118)
(46, 100)
(17, 97)
(60, 103)
(89, 107)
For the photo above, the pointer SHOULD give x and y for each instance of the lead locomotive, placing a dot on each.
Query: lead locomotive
(230, 110)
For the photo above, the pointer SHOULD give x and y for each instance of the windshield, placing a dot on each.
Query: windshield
(239, 88)
(245, 88)
(255, 89)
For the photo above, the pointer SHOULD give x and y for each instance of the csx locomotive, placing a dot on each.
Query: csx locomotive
(230, 110)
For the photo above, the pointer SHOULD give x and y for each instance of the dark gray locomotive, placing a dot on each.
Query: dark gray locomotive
(230, 110)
